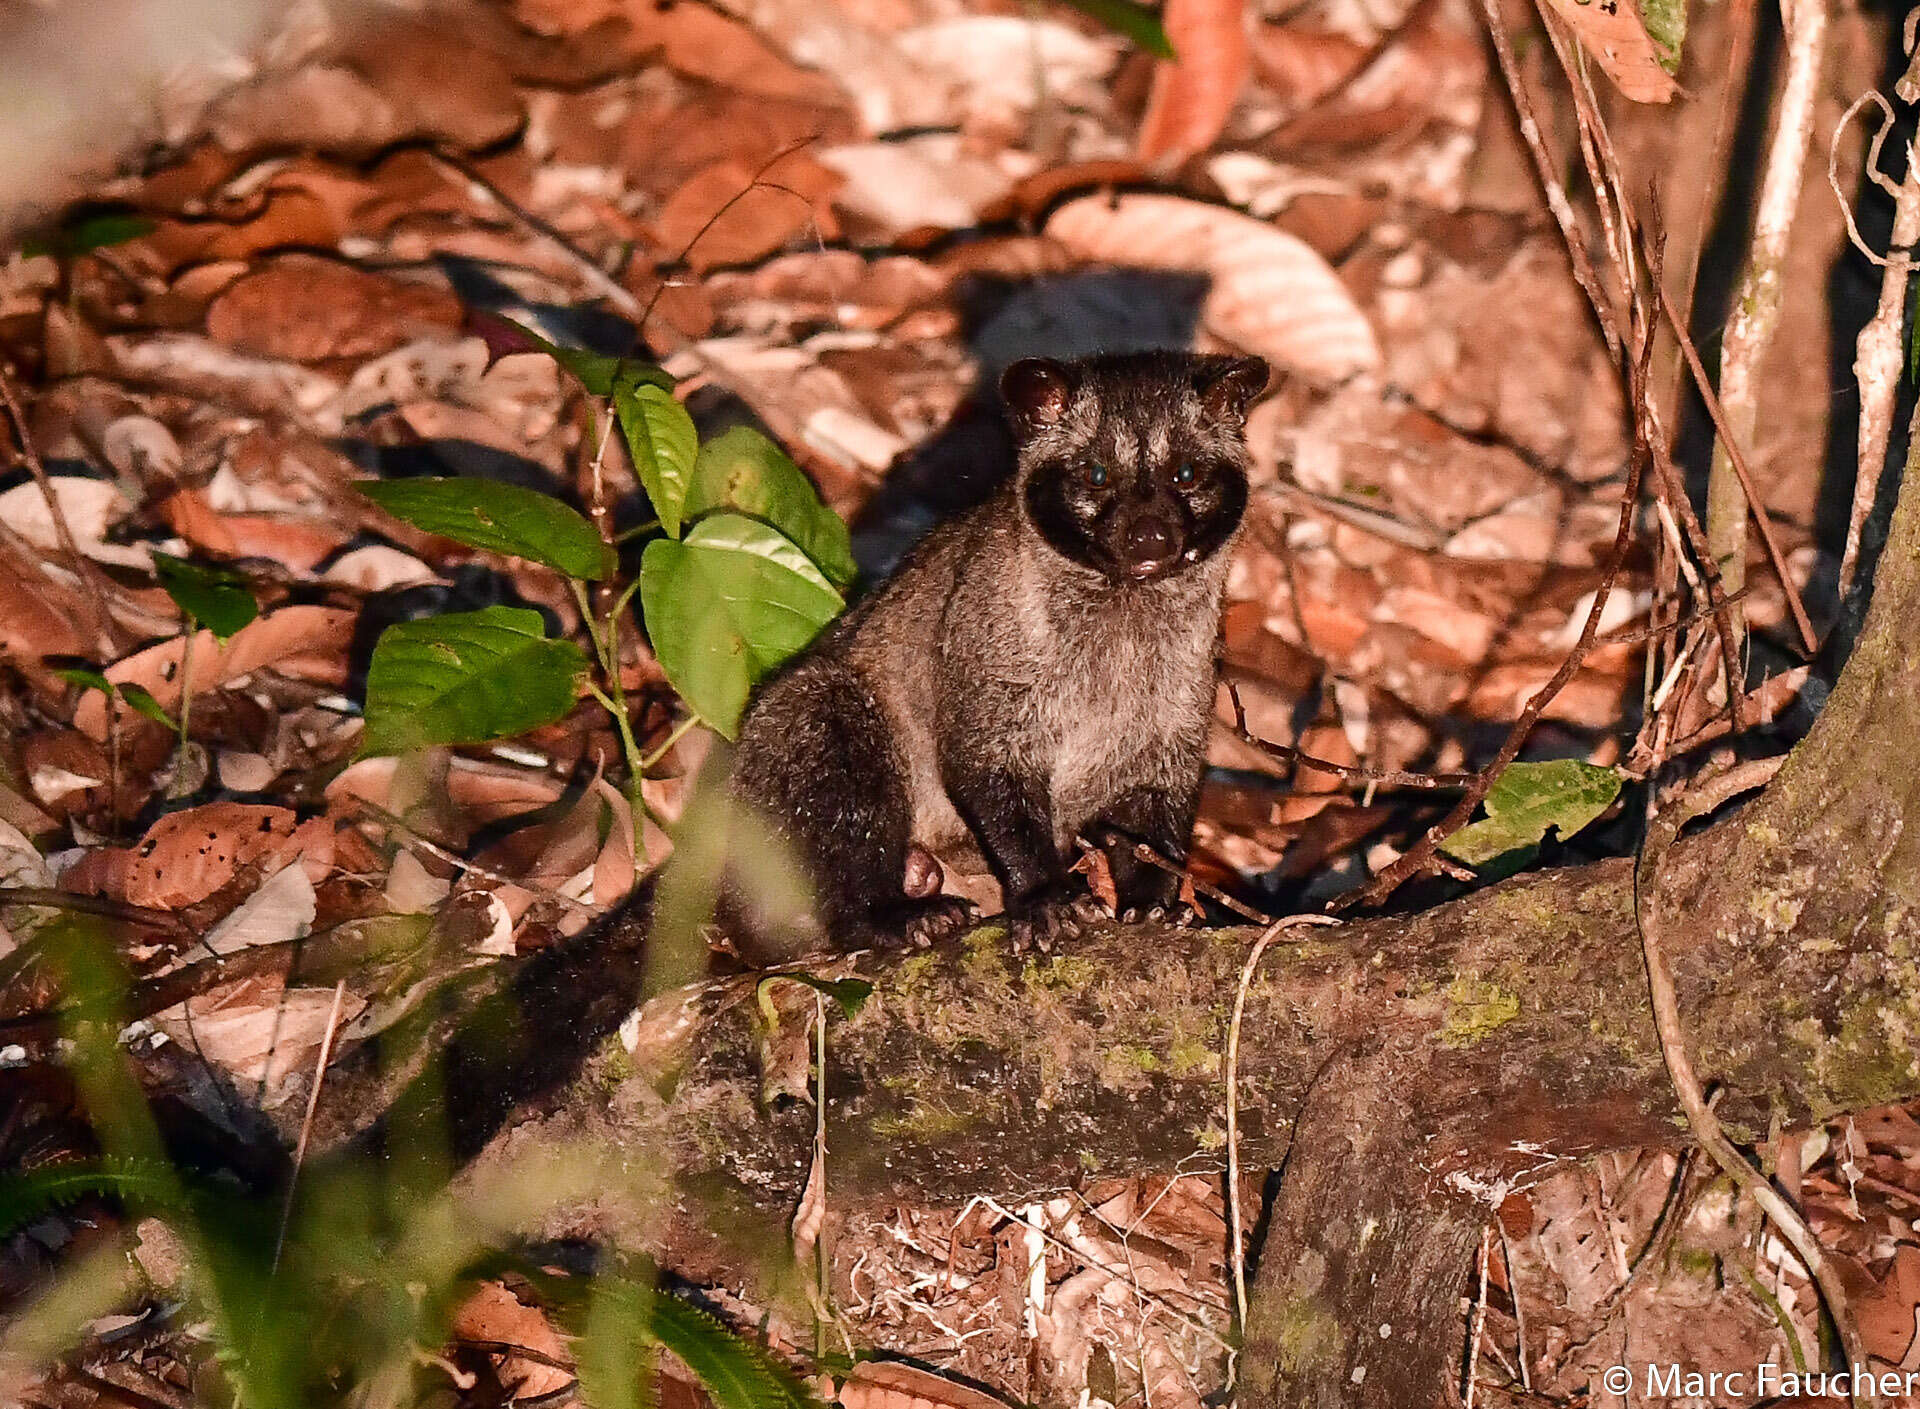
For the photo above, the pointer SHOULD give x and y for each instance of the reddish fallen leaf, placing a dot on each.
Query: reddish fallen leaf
(721, 216)
(1099, 873)
(303, 309)
(187, 856)
(890, 1384)
(1304, 65)
(1613, 32)
(494, 1314)
(483, 792)
(1193, 94)
(307, 643)
(703, 43)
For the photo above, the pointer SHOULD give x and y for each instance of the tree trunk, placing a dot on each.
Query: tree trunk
(1416, 1067)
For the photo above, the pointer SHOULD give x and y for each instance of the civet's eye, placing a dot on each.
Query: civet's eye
(1097, 475)
(1185, 474)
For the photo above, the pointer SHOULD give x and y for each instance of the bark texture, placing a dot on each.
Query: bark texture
(1405, 1071)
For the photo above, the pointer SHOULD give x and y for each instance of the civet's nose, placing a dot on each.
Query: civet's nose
(1150, 544)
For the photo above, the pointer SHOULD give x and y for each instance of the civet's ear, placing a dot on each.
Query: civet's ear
(1036, 391)
(1228, 385)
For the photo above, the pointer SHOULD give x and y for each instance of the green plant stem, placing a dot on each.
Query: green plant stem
(627, 535)
(820, 1268)
(628, 744)
(186, 675)
(679, 732)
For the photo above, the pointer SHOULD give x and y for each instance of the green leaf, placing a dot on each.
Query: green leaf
(136, 697)
(615, 1356)
(663, 443)
(141, 701)
(850, 993)
(735, 1371)
(86, 678)
(466, 678)
(216, 598)
(1530, 798)
(91, 232)
(1666, 22)
(501, 518)
(744, 471)
(1135, 21)
(26, 1197)
(598, 372)
(726, 607)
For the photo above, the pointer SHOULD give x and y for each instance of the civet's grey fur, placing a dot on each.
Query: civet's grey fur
(1038, 668)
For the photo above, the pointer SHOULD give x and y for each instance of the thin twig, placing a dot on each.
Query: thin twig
(1145, 853)
(1519, 1311)
(596, 278)
(82, 569)
(1479, 1316)
(1603, 172)
(1705, 1124)
(1740, 20)
(1877, 351)
(1556, 193)
(1287, 754)
(755, 182)
(306, 1121)
(1235, 1227)
(423, 842)
(1421, 853)
(104, 906)
(1731, 444)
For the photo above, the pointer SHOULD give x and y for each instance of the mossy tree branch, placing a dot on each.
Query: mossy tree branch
(1402, 1070)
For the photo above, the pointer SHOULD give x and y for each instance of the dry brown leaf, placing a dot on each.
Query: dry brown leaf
(306, 643)
(258, 1030)
(889, 1384)
(1270, 294)
(395, 79)
(702, 43)
(297, 542)
(493, 1313)
(482, 792)
(187, 856)
(721, 216)
(1304, 65)
(1612, 31)
(303, 309)
(1194, 93)
(1093, 864)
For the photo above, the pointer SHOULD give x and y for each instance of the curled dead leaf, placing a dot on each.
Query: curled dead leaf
(1271, 293)
(1193, 94)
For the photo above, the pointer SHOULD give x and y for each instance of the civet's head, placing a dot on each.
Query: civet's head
(1134, 464)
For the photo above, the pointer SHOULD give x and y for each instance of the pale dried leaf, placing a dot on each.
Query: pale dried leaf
(281, 910)
(1271, 293)
(258, 1031)
(889, 1384)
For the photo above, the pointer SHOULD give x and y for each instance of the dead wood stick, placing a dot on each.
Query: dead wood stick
(1706, 1126)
